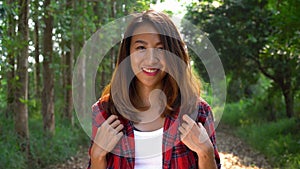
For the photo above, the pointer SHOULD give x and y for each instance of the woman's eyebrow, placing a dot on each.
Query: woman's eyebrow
(141, 41)
(146, 43)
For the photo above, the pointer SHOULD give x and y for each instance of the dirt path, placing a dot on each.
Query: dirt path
(234, 153)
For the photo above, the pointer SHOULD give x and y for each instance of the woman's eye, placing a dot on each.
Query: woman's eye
(160, 49)
(140, 48)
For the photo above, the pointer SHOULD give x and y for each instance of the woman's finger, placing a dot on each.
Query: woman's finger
(115, 123)
(187, 119)
(182, 130)
(182, 137)
(110, 119)
(119, 135)
(119, 128)
(186, 126)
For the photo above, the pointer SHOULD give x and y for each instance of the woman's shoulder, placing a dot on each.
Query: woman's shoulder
(204, 111)
(100, 107)
(203, 105)
(101, 103)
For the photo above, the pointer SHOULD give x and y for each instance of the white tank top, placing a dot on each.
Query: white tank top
(148, 149)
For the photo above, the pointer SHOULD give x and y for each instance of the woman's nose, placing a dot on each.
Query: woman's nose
(151, 55)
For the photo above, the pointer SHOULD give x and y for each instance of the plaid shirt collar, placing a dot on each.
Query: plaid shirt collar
(126, 146)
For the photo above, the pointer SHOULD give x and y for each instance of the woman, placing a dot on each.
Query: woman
(155, 119)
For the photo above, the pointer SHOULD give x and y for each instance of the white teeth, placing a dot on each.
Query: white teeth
(149, 70)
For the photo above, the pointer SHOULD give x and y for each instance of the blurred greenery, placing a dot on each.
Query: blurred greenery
(44, 150)
(257, 40)
(74, 22)
(253, 38)
(279, 140)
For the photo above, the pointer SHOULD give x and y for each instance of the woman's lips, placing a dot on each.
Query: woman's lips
(150, 71)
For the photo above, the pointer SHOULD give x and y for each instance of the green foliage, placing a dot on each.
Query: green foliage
(260, 121)
(265, 39)
(236, 37)
(279, 141)
(297, 105)
(235, 114)
(266, 107)
(2, 95)
(292, 161)
(267, 104)
(44, 151)
(243, 32)
(11, 155)
(65, 143)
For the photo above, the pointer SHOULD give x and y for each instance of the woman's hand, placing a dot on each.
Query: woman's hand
(195, 137)
(107, 136)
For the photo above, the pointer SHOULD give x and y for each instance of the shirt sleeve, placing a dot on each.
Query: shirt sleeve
(99, 115)
(205, 117)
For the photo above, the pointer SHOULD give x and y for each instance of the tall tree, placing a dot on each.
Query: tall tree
(11, 26)
(69, 57)
(48, 77)
(279, 58)
(232, 35)
(263, 39)
(21, 90)
(36, 14)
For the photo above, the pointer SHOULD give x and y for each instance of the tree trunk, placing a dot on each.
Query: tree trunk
(37, 50)
(113, 51)
(48, 77)
(10, 86)
(68, 97)
(64, 76)
(21, 90)
(96, 13)
(11, 68)
(83, 70)
(63, 69)
(286, 87)
(289, 102)
(69, 68)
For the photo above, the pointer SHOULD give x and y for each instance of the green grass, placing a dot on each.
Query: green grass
(234, 114)
(44, 151)
(10, 154)
(279, 140)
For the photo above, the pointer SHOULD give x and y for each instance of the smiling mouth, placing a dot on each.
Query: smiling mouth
(151, 71)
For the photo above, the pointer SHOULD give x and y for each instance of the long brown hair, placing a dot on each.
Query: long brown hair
(184, 96)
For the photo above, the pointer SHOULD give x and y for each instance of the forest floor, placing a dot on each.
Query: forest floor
(234, 154)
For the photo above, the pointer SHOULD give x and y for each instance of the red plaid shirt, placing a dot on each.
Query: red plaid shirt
(176, 155)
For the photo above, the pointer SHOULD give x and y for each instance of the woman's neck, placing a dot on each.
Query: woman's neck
(152, 105)
(150, 126)
(144, 93)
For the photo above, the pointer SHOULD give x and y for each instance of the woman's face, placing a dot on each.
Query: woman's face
(147, 56)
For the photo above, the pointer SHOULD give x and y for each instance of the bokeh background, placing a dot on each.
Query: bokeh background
(258, 42)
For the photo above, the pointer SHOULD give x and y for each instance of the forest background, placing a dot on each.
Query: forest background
(257, 40)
